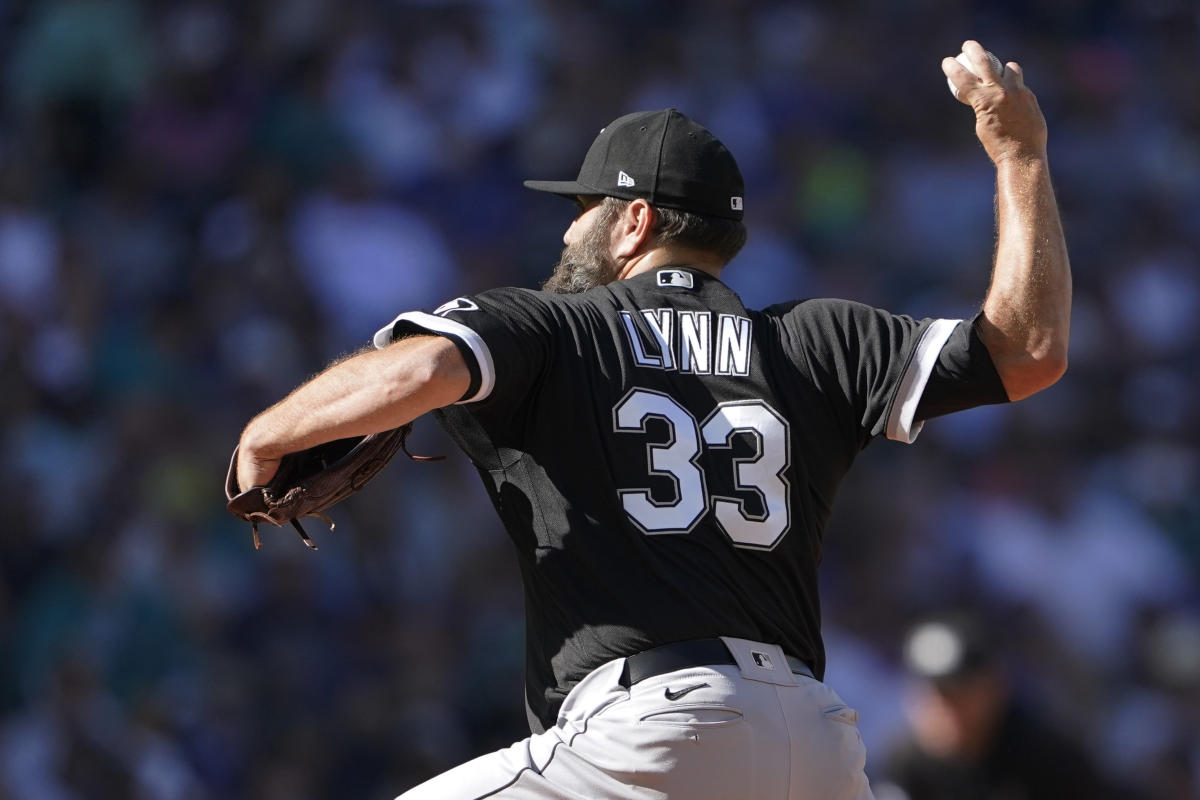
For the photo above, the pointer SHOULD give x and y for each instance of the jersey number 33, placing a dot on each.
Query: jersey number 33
(677, 459)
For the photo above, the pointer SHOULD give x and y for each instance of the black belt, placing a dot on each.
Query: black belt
(681, 655)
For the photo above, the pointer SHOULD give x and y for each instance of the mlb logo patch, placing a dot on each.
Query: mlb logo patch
(676, 277)
(762, 659)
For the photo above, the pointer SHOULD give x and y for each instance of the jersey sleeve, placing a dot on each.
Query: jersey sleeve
(504, 335)
(963, 377)
(872, 362)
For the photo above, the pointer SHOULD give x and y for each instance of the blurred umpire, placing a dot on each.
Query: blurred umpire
(971, 735)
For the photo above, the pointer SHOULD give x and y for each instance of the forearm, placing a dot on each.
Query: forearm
(373, 391)
(1026, 315)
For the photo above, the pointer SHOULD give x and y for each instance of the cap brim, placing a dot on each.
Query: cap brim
(567, 189)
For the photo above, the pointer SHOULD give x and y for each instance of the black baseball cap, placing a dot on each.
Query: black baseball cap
(662, 157)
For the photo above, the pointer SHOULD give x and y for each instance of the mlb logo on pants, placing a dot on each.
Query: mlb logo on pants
(762, 659)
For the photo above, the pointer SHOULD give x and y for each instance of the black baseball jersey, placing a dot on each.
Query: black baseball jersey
(665, 460)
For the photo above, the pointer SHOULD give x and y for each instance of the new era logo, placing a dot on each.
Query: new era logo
(762, 659)
(623, 179)
(735, 203)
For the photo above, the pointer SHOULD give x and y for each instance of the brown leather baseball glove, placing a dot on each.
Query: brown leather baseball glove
(311, 481)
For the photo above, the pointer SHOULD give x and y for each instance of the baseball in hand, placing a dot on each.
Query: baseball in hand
(966, 62)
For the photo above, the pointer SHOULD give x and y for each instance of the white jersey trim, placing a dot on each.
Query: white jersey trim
(456, 330)
(900, 425)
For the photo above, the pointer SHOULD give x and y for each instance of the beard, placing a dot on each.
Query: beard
(587, 263)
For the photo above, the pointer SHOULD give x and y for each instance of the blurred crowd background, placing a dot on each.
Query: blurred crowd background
(203, 202)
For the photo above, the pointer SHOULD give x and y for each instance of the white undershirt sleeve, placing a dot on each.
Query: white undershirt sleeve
(900, 425)
(452, 330)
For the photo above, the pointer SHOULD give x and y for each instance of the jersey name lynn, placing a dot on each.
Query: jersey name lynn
(690, 342)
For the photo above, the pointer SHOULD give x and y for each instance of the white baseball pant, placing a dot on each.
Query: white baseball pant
(749, 732)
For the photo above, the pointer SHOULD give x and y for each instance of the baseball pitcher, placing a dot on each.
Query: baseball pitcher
(665, 459)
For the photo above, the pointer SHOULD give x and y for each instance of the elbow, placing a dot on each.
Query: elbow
(1050, 369)
(1028, 356)
(1057, 366)
(1033, 373)
(449, 376)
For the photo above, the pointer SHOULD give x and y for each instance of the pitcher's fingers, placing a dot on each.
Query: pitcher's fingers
(959, 75)
(959, 79)
(988, 68)
(974, 50)
(1015, 69)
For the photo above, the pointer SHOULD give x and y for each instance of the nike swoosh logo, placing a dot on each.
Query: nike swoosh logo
(676, 695)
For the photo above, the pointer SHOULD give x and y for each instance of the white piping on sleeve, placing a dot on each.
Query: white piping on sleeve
(442, 325)
(900, 424)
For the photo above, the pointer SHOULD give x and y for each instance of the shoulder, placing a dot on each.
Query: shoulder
(537, 300)
(500, 297)
(507, 306)
(820, 307)
(820, 316)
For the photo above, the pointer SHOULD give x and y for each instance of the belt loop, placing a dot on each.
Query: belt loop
(759, 661)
